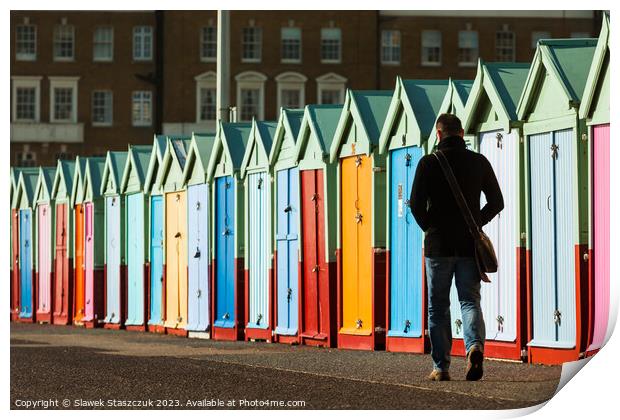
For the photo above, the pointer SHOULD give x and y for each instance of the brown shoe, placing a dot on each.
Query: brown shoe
(475, 357)
(437, 375)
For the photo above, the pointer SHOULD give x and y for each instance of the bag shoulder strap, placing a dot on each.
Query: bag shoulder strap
(456, 191)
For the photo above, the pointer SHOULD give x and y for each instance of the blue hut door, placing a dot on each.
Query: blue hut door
(113, 259)
(135, 259)
(287, 252)
(157, 259)
(258, 247)
(198, 258)
(405, 248)
(25, 263)
(224, 253)
(552, 159)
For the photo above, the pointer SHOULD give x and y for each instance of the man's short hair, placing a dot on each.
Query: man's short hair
(449, 124)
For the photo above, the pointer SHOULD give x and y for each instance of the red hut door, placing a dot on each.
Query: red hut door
(315, 279)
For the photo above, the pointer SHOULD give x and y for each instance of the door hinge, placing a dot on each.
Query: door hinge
(407, 326)
(500, 323)
(260, 183)
(407, 159)
(358, 161)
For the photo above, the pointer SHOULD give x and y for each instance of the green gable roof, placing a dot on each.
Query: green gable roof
(567, 61)
(113, 168)
(160, 144)
(372, 106)
(261, 135)
(508, 79)
(64, 174)
(324, 121)
(138, 157)
(288, 122)
(199, 154)
(236, 137)
(266, 131)
(45, 184)
(26, 185)
(93, 177)
(594, 75)
(425, 97)
(462, 88)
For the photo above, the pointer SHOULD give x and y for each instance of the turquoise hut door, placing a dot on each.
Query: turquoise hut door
(405, 248)
(135, 259)
(258, 213)
(25, 263)
(113, 260)
(224, 253)
(157, 260)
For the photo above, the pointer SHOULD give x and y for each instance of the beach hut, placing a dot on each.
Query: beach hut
(410, 121)
(114, 267)
(136, 235)
(594, 109)
(286, 225)
(77, 198)
(14, 243)
(490, 119)
(198, 236)
(94, 242)
(318, 179)
(155, 227)
(556, 149)
(44, 264)
(258, 254)
(170, 182)
(361, 258)
(63, 243)
(453, 103)
(23, 202)
(227, 288)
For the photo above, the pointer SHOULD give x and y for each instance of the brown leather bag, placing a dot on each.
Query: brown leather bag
(485, 256)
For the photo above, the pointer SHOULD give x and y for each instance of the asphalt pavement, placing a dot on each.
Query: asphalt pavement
(72, 367)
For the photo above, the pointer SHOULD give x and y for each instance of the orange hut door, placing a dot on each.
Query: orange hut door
(79, 263)
(176, 257)
(356, 214)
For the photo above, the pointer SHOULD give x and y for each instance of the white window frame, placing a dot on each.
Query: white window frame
(291, 60)
(514, 44)
(423, 60)
(538, 35)
(252, 80)
(142, 123)
(291, 80)
(57, 58)
(64, 82)
(27, 82)
(92, 112)
(133, 43)
(331, 60)
(204, 58)
(26, 57)
(330, 81)
(391, 46)
(473, 63)
(103, 59)
(260, 45)
(205, 80)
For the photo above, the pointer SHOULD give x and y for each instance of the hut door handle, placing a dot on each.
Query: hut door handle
(260, 183)
(358, 217)
(197, 205)
(178, 235)
(549, 203)
(259, 318)
(288, 209)
(314, 197)
(315, 269)
(554, 151)
(557, 317)
(358, 324)
(407, 326)
(197, 254)
(226, 232)
(358, 161)
(407, 159)
(458, 324)
(499, 138)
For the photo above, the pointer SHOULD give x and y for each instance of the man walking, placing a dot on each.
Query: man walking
(449, 245)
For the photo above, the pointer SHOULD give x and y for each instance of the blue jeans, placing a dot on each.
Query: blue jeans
(439, 273)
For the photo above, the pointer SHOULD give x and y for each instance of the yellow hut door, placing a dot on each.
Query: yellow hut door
(176, 257)
(356, 216)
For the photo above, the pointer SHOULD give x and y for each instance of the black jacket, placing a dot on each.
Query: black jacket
(433, 204)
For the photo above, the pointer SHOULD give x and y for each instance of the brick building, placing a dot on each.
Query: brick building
(86, 82)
